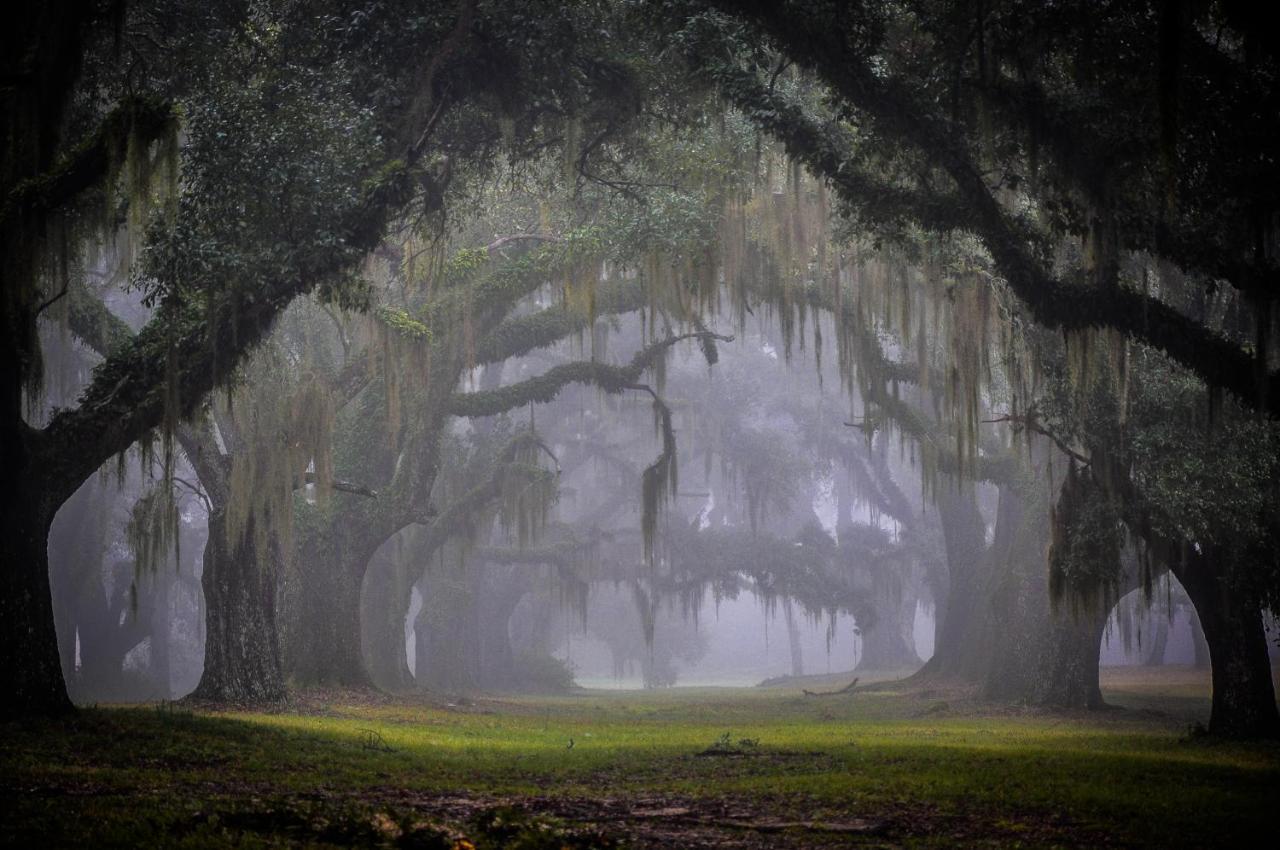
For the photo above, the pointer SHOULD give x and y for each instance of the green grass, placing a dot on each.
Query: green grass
(920, 771)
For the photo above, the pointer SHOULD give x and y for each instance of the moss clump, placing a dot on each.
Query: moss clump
(400, 321)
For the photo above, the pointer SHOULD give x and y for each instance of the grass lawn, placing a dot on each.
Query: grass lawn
(682, 767)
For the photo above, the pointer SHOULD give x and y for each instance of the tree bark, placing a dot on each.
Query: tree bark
(1244, 697)
(956, 651)
(241, 650)
(30, 667)
(324, 636)
(447, 629)
(1068, 669)
(161, 670)
(889, 644)
(1039, 655)
(386, 598)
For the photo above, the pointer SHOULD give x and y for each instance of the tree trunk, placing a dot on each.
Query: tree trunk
(889, 644)
(1244, 697)
(1159, 640)
(241, 650)
(501, 593)
(1068, 670)
(446, 633)
(957, 652)
(1199, 645)
(324, 633)
(30, 667)
(386, 598)
(109, 627)
(793, 639)
(75, 563)
(161, 619)
(1017, 603)
(1039, 655)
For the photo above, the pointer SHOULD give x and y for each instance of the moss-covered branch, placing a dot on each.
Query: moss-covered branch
(90, 162)
(518, 336)
(611, 379)
(93, 323)
(510, 465)
(1014, 246)
(826, 148)
(188, 349)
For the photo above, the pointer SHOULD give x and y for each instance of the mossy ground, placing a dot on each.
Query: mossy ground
(687, 767)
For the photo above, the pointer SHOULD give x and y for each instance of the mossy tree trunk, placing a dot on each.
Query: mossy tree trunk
(1013, 605)
(109, 627)
(502, 590)
(161, 669)
(241, 647)
(1068, 674)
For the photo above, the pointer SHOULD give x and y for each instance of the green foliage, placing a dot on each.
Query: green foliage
(401, 322)
(1084, 557)
(465, 263)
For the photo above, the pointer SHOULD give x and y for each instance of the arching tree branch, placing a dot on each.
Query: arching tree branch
(544, 388)
(826, 47)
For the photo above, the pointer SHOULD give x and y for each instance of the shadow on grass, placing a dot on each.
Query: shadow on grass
(412, 774)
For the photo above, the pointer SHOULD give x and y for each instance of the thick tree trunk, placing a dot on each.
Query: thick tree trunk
(324, 633)
(1244, 697)
(241, 650)
(75, 563)
(499, 596)
(30, 667)
(1068, 669)
(109, 627)
(1017, 603)
(1039, 655)
(957, 652)
(446, 635)
(386, 598)
(889, 644)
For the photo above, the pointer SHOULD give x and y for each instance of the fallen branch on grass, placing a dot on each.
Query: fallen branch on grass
(846, 689)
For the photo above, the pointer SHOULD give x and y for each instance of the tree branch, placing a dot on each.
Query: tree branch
(544, 388)
(342, 486)
(517, 337)
(89, 162)
(823, 45)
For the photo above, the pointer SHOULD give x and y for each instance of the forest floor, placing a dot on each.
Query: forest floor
(762, 767)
